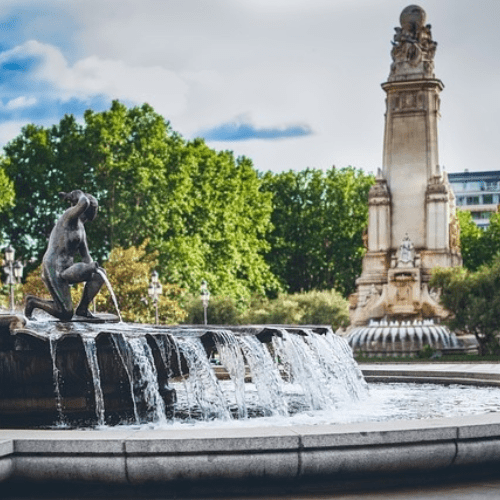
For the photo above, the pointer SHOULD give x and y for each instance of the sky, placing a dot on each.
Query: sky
(290, 84)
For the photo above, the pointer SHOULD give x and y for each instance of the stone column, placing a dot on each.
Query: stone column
(410, 153)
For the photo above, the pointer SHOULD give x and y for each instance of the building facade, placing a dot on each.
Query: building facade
(477, 192)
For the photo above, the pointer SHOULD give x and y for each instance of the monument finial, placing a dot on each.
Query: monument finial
(413, 48)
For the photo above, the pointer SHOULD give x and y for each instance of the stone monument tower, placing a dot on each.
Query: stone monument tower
(412, 224)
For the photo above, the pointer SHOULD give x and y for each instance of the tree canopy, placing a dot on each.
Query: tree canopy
(205, 214)
(202, 210)
(478, 246)
(473, 299)
(318, 218)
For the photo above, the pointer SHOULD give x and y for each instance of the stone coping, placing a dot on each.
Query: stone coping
(138, 458)
(483, 374)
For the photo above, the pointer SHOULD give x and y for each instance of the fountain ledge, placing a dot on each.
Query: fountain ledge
(139, 458)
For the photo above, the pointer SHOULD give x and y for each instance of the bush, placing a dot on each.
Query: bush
(325, 307)
(220, 311)
(311, 308)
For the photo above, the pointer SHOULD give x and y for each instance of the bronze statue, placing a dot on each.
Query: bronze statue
(59, 270)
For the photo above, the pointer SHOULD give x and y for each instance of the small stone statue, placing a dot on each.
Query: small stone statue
(59, 270)
(406, 256)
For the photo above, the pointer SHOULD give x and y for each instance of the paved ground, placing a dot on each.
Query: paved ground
(481, 490)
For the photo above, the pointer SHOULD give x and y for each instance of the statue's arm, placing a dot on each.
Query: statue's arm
(79, 201)
(84, 251)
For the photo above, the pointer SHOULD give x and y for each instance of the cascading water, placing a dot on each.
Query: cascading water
(90, 351)
(136, 374)
(56, 376)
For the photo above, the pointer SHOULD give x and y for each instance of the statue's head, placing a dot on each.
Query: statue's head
(91, 212)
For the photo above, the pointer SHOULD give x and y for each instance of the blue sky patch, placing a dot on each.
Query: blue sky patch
(52, 110)
(245, 131)
(45, 21)
(23, 64)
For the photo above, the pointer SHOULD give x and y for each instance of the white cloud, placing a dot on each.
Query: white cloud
(93, 76)
(20, 103)
(10, 129)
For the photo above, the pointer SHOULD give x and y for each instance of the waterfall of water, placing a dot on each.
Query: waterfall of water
(295, 370)
(265, 376)
(146, 378)
(56, 376)
(124, 353)
(302, 366)
(202, 383)
(231, 358)
(91, 353)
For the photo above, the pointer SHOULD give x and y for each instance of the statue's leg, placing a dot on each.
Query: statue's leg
(50, 306)
(61, 306)
(80, 272)
(90, 290)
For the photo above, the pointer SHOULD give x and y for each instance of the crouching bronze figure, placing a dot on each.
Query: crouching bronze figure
(59, 270)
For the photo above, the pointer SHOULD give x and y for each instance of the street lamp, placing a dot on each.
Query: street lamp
(154, 291)
(14, 271)
(205, 297)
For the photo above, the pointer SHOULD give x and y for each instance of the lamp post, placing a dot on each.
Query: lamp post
(154, 291)
(205, 297)
(14, 271)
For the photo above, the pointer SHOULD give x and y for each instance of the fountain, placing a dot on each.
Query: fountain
(107, 406)
(81, 374)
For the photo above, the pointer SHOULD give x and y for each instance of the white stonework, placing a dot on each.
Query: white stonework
(412, 224)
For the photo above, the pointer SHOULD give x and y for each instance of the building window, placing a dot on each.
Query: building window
(491, 186)
(481, 215)
(472, 200)
(460, 200)
(487, 199)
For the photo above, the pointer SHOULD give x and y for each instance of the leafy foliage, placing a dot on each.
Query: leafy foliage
(129, 271)
(471, 241)
(478, 247)
(222, 310)
(203, 211)
(473, 298)
(325, 307)
(318, 220)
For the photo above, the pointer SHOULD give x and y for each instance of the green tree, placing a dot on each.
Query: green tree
(473, 299)
(491, 239)
(39, 162)
(129, 272)
(217, 224)
(202, 210)
(318, 218)
(471, 241)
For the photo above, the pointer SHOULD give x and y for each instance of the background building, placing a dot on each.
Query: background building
(478, 192)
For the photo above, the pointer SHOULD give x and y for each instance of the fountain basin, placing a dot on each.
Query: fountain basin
(233, 458)
(197, 460)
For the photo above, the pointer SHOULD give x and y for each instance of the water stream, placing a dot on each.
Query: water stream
(111, 292)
